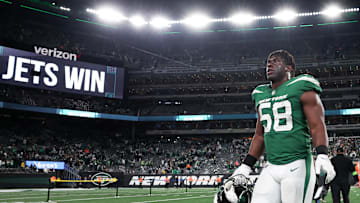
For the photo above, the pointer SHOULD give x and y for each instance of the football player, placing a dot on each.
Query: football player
(289, 113)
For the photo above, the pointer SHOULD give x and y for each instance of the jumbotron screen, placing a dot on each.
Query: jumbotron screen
(29, 69)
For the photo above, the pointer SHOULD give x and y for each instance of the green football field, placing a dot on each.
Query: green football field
(125, 195)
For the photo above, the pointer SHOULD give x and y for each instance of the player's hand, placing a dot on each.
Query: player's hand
(238, 175)
(323, 164)
(241, 176)
(243, 170)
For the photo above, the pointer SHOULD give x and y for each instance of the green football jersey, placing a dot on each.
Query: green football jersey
(286, 131)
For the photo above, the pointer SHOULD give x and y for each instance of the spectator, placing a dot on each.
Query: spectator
(344, 169)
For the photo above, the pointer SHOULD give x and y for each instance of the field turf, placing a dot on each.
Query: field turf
(125, 195)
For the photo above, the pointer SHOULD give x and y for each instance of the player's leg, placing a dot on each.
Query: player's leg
(298, 182)
(266, 190)
(310, 180)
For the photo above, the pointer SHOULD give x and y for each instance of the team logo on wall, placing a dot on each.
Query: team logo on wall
(101, 178)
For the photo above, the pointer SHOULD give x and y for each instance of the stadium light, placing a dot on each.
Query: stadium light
(197, 21)
(219, 20)
(89, 10)
(242, 19)
(332, 11)
(160, 22)
(286, 15)
(200, 20)
(110, 15)
(65, 8)
(138, 21)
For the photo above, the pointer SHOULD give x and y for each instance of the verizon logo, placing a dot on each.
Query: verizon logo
(55, 53)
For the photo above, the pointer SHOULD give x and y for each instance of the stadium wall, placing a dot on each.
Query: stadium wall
(24, 180)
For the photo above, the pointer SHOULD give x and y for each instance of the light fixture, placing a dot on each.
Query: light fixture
(242, 18)
(332, 11)
(160, 22)
(138, 21)
(197, 21)
(110, 15)
(286, 15)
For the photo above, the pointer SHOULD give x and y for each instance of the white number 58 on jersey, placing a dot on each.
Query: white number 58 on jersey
(277, 116)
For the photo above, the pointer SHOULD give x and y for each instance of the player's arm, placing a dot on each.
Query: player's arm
(257, 146)
(256, 150)
(314, 112)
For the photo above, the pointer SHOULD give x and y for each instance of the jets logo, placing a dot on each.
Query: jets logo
(101, 178)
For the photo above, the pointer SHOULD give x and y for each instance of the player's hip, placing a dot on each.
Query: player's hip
(299, 168)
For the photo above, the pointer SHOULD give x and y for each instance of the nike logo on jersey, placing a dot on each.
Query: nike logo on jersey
(293, 169)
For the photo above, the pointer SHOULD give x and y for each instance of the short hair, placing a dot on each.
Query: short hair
(286, 56)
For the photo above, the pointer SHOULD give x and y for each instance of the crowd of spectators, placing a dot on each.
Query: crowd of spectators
(350, 145)
(35, 141)
(99, 151)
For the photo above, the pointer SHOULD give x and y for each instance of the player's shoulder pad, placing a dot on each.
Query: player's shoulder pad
(304, 78)
(260, 89)
(305, 82)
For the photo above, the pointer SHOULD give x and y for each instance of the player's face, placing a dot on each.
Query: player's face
(275, 69)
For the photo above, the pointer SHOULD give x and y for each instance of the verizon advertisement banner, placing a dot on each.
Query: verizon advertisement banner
(45, 72)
